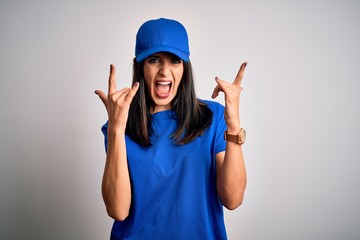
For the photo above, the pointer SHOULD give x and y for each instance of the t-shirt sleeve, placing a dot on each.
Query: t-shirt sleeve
(220, 143)
(104, 131)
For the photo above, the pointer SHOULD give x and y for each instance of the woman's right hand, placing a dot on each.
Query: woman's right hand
(117, 102)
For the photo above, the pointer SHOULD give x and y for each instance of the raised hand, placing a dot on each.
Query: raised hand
(232, 99)
(117, 102)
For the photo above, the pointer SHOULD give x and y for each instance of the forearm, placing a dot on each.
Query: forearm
(231, 181)
(116, 187)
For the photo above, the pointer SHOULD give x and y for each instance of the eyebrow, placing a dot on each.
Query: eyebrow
(154, 56)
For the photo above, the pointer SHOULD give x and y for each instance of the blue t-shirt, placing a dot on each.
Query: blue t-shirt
(174, 187)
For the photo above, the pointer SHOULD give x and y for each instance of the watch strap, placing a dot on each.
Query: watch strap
(233, 138)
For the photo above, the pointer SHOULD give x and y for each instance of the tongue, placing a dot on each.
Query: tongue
(163, 89)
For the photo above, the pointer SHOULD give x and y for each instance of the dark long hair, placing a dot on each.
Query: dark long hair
(192, 115)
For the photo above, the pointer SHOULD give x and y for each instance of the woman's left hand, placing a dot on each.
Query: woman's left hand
(232, 99)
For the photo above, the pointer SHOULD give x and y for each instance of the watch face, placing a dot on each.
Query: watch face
(243, 135)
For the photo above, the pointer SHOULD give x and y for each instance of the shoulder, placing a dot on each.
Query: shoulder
(212, 105)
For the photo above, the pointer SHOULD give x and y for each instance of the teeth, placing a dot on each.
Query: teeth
(164, 83)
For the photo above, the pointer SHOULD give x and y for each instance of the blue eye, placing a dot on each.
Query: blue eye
(176, 61)
(153, 60)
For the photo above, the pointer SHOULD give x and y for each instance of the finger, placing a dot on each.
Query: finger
(131, 92)
(223, 85)
(240, 74)
(102, 96)
(134, 89)
(112, 80)
(218, 88)
(216, 91)
(119, 95)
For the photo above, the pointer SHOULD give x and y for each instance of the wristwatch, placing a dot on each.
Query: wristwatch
(238, 138)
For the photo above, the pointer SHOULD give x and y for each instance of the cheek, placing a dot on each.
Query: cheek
(178, 82)
(179, 73)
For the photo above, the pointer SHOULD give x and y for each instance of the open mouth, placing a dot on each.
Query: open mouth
(163, 88)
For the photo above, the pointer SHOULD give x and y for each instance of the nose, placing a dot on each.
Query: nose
(164, 68)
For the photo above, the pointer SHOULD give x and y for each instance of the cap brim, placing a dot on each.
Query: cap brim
(147, 53)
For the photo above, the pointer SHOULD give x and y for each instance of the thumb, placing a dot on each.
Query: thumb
(218, 87)
(216, 91)
(102, 96)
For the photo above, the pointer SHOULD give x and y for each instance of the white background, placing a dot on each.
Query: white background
(300, 106)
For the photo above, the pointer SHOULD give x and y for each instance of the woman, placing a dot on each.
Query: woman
(173, 161)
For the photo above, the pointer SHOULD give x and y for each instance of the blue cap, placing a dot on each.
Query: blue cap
(162, 35)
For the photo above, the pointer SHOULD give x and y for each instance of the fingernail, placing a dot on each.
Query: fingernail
(136, 84)
(216, 78)
(245, 64)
